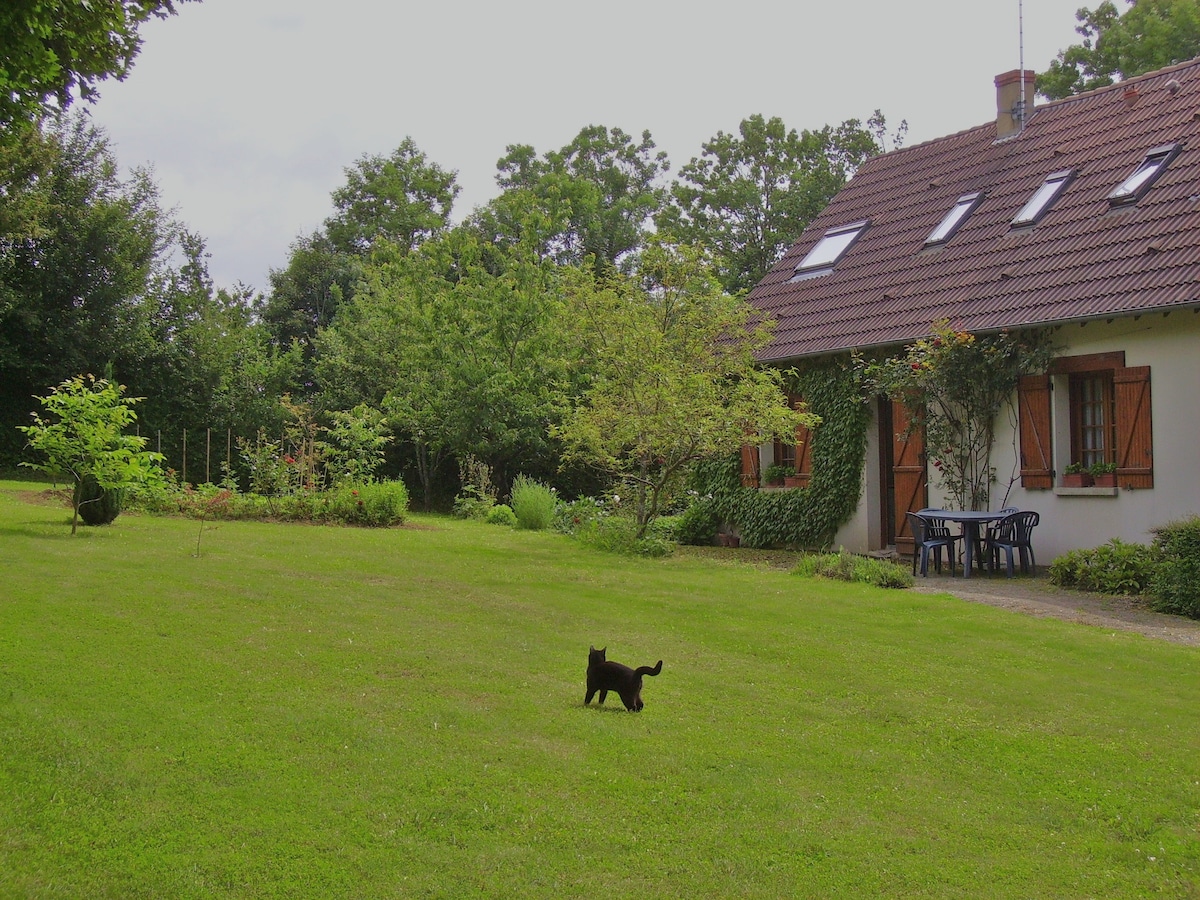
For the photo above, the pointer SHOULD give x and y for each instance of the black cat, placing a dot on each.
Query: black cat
(605, 676)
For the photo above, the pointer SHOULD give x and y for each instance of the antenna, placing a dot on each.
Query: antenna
(1020, 107)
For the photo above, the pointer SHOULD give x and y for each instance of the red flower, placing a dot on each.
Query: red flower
(289, 460)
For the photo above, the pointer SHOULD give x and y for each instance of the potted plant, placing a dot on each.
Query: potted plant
(775, 475)
(1076, 475)
(1104, 474)
(793, 480)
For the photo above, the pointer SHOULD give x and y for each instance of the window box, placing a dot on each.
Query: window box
(1077, 479)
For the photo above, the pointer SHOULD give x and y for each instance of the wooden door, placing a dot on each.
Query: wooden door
(909, 489)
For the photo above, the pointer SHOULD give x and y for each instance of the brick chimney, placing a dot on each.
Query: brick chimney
(1009, 96)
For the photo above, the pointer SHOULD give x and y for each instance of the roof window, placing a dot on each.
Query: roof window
(954, 219)
(1132, 188)
(832, 246)
(1043, 198)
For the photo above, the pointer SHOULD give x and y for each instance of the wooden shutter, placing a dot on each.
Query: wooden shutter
(1135, 450)
(803, 451)
(749, 466)
(1033, 412)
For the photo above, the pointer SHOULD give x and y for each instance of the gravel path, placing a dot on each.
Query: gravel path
(1035, 596)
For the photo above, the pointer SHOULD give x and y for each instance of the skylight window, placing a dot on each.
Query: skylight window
(954, 219)
(1043, 198)
(832, 246)
(1132, 188)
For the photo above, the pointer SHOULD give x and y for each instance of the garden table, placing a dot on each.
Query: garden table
(970, 520)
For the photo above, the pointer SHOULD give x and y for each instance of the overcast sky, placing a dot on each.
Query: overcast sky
(249, 110)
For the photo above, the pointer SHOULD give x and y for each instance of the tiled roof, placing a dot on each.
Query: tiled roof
(1083, 260)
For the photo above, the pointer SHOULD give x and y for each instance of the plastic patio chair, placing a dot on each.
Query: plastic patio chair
(1014, 533)
(930, 535)
(990, 530)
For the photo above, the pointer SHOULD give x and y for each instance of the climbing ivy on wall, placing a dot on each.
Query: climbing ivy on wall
(806, 517)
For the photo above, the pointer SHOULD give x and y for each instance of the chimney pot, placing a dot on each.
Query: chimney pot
(1131, 96)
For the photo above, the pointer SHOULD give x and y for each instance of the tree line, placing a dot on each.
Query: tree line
(581, 322)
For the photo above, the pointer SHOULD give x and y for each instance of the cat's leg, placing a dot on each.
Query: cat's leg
(590, 694)
(603, 694)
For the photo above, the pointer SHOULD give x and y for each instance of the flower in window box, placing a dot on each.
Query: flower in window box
(1076, 475)
(1104, 474)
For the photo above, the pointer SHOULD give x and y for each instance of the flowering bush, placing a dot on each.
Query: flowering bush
(954, 385)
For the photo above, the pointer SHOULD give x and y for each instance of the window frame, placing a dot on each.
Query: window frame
(1043, 199)
(1046, 422)
(1094, 436)
(1138, 182)
(818, 260)
(954, 219)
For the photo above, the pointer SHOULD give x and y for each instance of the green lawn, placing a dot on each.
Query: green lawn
(332, 712)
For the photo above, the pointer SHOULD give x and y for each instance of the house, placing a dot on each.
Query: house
(1082, 216)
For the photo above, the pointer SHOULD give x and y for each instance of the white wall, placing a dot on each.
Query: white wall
(1170, 345)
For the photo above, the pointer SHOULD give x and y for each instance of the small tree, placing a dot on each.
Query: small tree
(81, 434)
(954, 384)
(675, 379)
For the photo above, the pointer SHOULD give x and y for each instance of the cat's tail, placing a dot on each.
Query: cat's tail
(649, 670)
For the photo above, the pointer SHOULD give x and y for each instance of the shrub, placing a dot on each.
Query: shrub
(570, 517)
(664, 528)
(698, 523)
(1113, 568)
(478, 494)
(846, 566)
(533, 503)
(96, 505)
(500, 514)
(618, 534)
(377, 504)
(1175, 587)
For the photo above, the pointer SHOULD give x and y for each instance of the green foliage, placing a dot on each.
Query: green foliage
(533, 503)
(1113, 568)
(749, 194)
(699, 523)
(846, 566)
(621, 534)
(573, 515)
(805, 517)
(1175, 587)
(954, 385)
(374, 504)
(501, 514)
(96, 505)
(588, 203)
(478, 494)
(675, 376)
(1150, 35)
(53, 49)
(402, 199)
(776, 473)
(357, 441)
(82, 435)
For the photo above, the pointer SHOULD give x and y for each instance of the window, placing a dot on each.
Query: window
(1133, 187)
(1103, 408)
(1043, 198)
(954, 219)
(1093, 439)
(832, 246)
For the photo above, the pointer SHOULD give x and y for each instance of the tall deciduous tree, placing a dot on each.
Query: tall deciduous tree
(402, 198)
(675, 381)
(1149, 35)
(592, 199)
(52, 49)
(463, 360)
(749, 195)
(77, 251)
